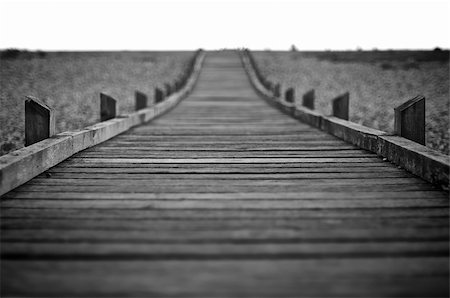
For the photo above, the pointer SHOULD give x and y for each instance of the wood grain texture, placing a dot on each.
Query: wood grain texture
(21, 165)
(140, 100)
(308, 99)
(431, 165)
(225, 196)
(39, 121)
(341, 106)
(410, 120)
(108, 107)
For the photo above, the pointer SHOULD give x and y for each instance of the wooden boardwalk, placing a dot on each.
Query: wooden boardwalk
(225, 196)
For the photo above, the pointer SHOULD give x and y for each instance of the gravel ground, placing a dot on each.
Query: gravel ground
(377, 81)
(71, 83)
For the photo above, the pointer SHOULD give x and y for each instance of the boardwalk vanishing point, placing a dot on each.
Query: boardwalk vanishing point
(225, 196)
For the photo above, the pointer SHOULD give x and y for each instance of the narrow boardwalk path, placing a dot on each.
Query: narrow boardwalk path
(225, 196)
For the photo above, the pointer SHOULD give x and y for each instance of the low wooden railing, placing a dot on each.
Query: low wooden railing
(45, 149)
(404, 148)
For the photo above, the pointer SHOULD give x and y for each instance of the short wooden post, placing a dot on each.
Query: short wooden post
(178, 84)
(39, 121)
(140, 100)
(175, 86)
(107, 107)
(269, 85)
(289, 95)
(308, 99)
(182, 81)
(277, 90)
(410, 120)
(159, 95)
(168, 89)
(341, 106)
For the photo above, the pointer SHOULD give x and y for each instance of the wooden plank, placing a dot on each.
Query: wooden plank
(20, 194)
(229, 154)
(232, 214)
(144, 175)
(418, 159)
(412, 277)
(249, 160)
(244, 235)
(376, 186)
(208, 224)
(224, 204)
(361, 136)
(212, 251)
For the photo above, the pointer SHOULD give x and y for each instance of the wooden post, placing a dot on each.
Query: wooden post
(107, 107)
(266, 84)
(159, 95)
(308, 99)
(178, 84)
(289, 95)
(341, 106)
(277, 90)
(182, 81)
(175, 86)
(39, 121)
(410, 120)
(168, 89)
(140, 100)
(269, 85)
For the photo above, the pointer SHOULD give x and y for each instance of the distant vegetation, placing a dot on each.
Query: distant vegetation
(377, 81)
(70, 82)
(10, 54)
(375, 56)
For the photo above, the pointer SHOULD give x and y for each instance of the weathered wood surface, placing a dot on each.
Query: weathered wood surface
(431, 165)
(341, 106)
(108, 107)
(39, 121)
(410, 120)
(141, 100)
(308, 99)
(23, 164)
(225, 196)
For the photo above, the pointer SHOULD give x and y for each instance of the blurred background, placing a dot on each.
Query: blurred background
(66, 52)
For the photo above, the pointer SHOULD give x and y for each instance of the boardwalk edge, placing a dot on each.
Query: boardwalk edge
(23, 164)
(431, 165)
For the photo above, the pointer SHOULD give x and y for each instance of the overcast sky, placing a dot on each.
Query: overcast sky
(214, 24)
